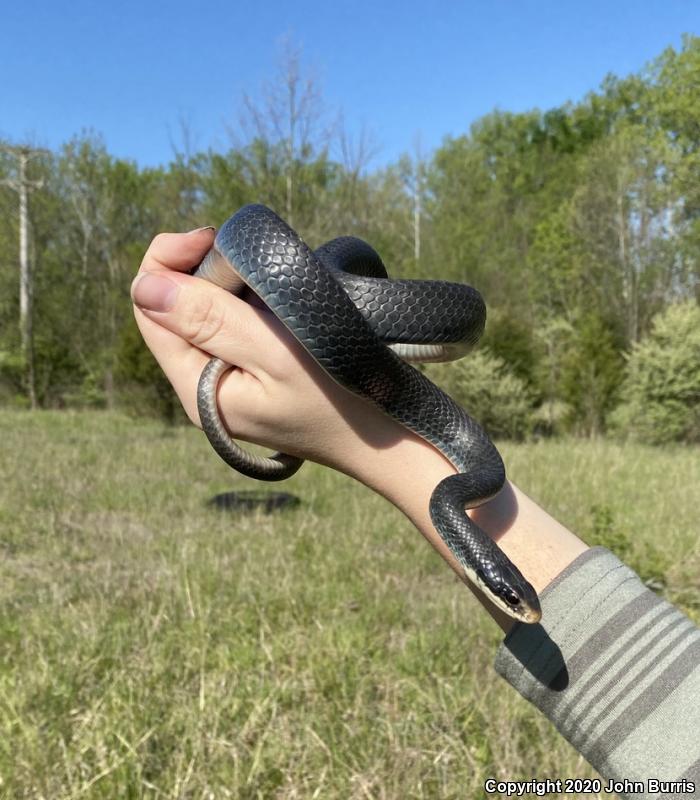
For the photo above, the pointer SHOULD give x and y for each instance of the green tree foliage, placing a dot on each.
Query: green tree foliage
(676, 78)
(143, 388)
(620, 216)
(661, 392)
(578, 225)
(489, 191)
(591, 372)
(490, 392)
(511, 339)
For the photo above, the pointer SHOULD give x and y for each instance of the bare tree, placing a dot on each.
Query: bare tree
(413, 174)
(189, 141)
(355, 154)
(288, 117)
(105, 215)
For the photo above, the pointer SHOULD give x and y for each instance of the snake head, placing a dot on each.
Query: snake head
(509, 590)
(524, 606)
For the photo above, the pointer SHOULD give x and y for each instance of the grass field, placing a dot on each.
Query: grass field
(151, 646)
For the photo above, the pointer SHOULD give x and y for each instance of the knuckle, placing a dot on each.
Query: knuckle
(159, 238)
(205, 322)
(156, 245)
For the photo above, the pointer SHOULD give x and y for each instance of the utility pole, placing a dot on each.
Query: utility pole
(22, 186)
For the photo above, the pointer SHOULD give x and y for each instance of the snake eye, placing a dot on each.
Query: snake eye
(511, 598)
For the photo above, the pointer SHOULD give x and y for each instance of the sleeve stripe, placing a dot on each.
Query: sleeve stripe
(658, 736)
(623, 641)
(625, 713)
(622, 679)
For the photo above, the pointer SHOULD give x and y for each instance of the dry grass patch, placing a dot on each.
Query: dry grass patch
(151, 646)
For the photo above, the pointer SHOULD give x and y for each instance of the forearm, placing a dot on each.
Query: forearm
(405, 469)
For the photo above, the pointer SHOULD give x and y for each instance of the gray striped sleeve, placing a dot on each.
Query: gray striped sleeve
(617, 670)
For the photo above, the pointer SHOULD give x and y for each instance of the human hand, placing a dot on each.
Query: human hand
(276, 395)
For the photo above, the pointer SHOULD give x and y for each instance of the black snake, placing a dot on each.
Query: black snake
(340, 305)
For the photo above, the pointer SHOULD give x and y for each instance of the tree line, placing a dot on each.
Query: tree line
(580, 225)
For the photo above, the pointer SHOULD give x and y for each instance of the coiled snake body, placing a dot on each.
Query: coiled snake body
(340, 305)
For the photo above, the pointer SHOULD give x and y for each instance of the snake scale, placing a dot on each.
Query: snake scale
(359, 326)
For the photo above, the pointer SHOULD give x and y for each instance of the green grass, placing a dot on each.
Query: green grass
(153, 647)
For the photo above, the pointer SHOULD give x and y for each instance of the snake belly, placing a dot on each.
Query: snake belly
(345, 322)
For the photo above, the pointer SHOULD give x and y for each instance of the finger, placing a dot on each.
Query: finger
(185, 321)
(201, 314)
(178, 251)
(183, 363)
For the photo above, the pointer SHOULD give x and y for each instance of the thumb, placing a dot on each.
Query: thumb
(201, 314)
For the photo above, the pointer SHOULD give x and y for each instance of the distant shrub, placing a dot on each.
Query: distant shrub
(661, 391)
(490, 392)
(578, 371)
(89, 393)
(591, 374)
(552, 418)
(647, 559)
(511, 339)
(12, 379)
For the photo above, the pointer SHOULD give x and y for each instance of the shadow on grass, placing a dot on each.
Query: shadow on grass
(254, 500)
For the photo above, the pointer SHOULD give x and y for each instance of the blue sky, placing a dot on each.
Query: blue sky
(133, 70)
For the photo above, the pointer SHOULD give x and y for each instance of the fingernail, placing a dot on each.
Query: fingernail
(154, 293)
(205, 228)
